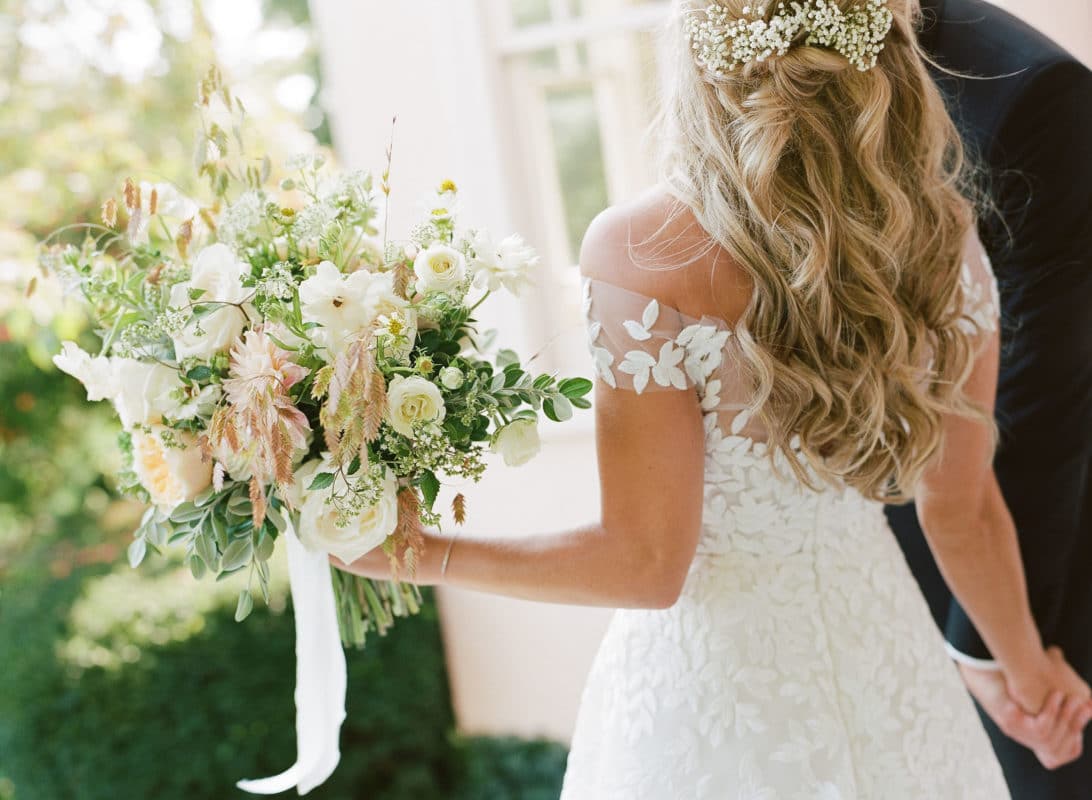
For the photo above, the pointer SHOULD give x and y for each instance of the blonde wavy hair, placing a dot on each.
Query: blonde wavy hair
(845, 195)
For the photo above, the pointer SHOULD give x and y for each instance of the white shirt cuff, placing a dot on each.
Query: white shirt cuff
(978, 663)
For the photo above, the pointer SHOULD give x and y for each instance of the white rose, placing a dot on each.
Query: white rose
(220, 275)
(144, 393)
(411, 400)
(96, 373)
(171, 475)
(517, 442)
(452, 378)
(439, 269)
(507, 264)
(364, 532)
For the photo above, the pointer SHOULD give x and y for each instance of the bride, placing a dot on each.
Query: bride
(798, 326)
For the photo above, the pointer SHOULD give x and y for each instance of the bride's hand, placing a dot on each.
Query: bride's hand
(376, 564)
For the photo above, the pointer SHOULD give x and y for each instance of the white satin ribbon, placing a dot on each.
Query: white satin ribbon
(320, 675)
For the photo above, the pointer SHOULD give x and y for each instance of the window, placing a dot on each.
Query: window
(577, 87)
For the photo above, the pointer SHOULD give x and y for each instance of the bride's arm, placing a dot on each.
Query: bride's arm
(650, 473)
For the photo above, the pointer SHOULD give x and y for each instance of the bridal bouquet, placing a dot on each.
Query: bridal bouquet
(283, 370)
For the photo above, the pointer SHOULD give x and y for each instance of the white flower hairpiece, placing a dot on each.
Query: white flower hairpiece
(721, 41)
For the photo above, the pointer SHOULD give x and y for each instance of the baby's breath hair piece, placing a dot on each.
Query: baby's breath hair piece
(721, 41)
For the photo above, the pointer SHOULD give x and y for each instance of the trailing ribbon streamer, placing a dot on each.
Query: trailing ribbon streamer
(320, 675)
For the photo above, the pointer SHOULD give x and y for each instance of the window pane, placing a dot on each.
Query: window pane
(578, 146)
(530, 12)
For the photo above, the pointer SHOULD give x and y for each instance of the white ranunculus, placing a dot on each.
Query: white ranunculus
(96, 373)
(319, 530)
(219, 273)
(506, 264)
(452, 378)
(338, 303)
(171, 475)
(144, 393)
(439, 269)
(517, 442)
(411, 400)
(380, 296)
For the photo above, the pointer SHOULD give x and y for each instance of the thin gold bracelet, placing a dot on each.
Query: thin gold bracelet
(447, 555)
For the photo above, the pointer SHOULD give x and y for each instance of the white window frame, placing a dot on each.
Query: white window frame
(533, 176)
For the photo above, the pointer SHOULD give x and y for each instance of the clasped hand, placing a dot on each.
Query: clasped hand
(1046, 709)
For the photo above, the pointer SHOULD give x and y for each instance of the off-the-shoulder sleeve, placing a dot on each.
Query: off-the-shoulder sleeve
(641, 344)
(981, 299)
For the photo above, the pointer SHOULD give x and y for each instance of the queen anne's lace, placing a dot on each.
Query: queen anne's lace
(721, 41)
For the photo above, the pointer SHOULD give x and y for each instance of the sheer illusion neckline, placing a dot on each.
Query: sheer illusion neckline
(687, 319)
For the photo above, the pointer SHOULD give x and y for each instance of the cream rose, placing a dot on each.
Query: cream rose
(517, 442)
(172, 475)
(439, 269)
(219, 274)
(364, 532)
(411, 400)
(452, 378)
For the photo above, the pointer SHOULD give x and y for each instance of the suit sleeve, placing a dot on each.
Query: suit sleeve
(1041, 248)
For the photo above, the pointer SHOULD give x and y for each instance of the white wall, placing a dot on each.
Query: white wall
(1068, 22)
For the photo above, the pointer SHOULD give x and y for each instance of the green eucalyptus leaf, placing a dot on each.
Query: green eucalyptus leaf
(245, 605)
(204, 547)
(580, 402)
(506, 357)
(197, 566)
(563, 409)
(137, 550)
(187, 512)
(205, 497)
(238, 554)
(220, 531)
(223, 576)
(199, 373)
(263, 551)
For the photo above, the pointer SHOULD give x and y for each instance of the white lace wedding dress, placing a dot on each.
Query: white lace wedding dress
(801, 661)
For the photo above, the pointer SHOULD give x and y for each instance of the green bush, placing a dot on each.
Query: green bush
(509, 768)
(188, 719)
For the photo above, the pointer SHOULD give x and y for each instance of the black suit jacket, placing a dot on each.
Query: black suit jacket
(1027, 121)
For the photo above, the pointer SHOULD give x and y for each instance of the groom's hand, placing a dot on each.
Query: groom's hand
(1055, 734)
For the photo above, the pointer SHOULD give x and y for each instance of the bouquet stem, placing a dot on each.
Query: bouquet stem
(364, 605)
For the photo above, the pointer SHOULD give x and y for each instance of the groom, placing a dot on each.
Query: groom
(1030, 128)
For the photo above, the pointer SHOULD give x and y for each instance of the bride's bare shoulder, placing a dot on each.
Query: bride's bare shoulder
(654, 245)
